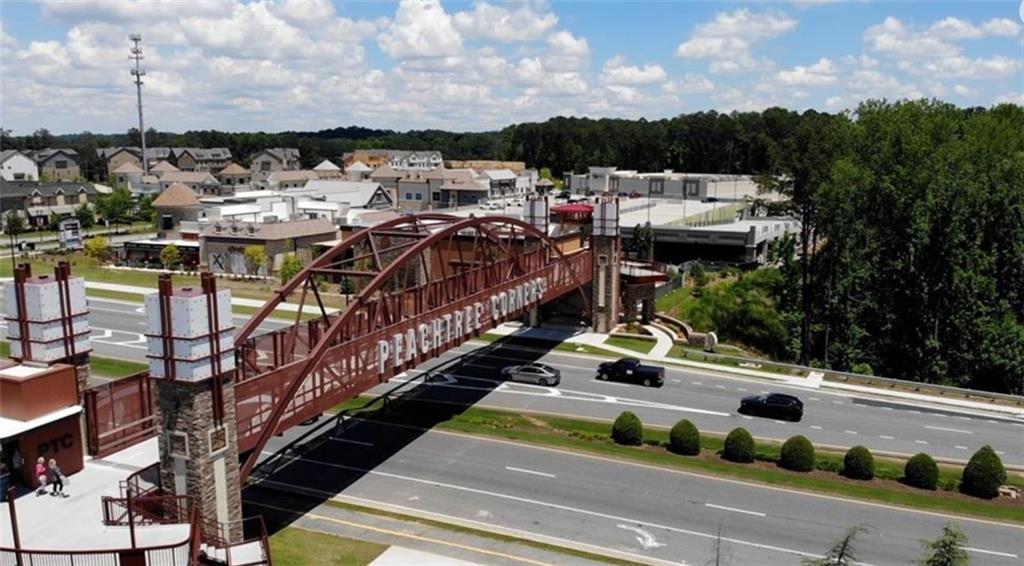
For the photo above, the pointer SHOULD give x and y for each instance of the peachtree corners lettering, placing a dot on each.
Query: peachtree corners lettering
(404, 347)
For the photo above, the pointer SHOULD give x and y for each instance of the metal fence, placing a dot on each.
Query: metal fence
(119, 414)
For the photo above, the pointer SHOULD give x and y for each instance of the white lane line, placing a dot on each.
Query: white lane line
(677, 381)
(719, 387)
(887, 408)
(815, 399)
(749, 418)
(350, 441)
(915, 412)
(887, 437)
(735, 510)
(850, 431)
(744, 389)
(921, 442)
(696, 383)
(944, 429)
(993, 422)
(992, 552)
(964, 418)
(763, 392)
(815, 427)
(1000, 452)
(780, 422)
(531, 472)
(528, 501)
(837, 402)
(610, 383)
(959, 447)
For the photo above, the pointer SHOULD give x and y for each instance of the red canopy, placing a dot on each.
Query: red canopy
(577, 208)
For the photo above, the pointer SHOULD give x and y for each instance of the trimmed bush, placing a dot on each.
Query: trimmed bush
(797, 454)
(628, 429)
(739, 446)
(859, 464)
(921, 471)
(684, 438)
(983, 474)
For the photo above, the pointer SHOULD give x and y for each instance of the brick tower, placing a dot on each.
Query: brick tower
(607, 253)
(536, 214)
(191, 354)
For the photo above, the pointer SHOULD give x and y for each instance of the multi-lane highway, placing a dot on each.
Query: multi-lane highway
(709, 399)
(641, 510)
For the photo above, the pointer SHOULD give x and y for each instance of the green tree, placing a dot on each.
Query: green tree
(290, 267)
(256, 258)
(921, 471)
(684, 438)
(843, 551)
(641, 243)
(170, 256)
(85, 216)
(116, 206)
(627, 429)
(97, 248)
(859, 463)
(947, 550)
(145, 211)
(797, 454)
(739, 446)
(15, 223)
(983, 474)
(53, 222)
(698, 274)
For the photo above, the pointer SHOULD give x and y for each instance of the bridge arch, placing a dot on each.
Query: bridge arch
(445, 277)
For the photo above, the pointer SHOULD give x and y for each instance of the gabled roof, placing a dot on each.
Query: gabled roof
(359, 167)
(45, 154)
(291, 175)
(282, 154)
(386, 172)
(177, 196)
(9, 153)
(326, 165)
(356, 193)
(128, 167)
(200, 177)
(163, 167)
(21, 189)
(234, 169)
(500, 174)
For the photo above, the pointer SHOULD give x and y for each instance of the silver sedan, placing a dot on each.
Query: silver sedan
(539, 374)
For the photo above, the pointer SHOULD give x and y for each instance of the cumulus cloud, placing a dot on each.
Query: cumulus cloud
(689, 84)
(421, 28)
(618, 71)
(488, 21)
(727, 41)
(819, 74)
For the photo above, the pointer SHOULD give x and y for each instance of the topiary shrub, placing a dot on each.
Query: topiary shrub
(739, 446)
(628, 429)
(797, 454)
(859, 464)
(921, 471)
(684, 439)
(983, 474)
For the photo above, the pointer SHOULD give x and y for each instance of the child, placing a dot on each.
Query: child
(41, 475)
(57, 479)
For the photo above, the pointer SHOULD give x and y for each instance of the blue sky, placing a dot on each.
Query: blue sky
(310, 64)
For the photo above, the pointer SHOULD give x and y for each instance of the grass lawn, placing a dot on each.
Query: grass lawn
(594, 437)
(635, 344)
(113, 367)
(295, 546)
(695, 355)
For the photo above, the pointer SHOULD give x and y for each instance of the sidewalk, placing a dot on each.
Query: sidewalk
(814, 381)
(235, 301)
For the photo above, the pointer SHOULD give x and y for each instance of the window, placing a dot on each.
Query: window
(692, 187)
(62, 164)
(19, 176)
(264, 166)
(435, 196)
(657, 187)
(408, 196)
(419, 196)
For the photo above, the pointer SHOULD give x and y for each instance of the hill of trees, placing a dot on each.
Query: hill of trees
(912, 245)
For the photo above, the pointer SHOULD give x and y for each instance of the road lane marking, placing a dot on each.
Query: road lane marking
(719, 387)
(944, 429)
(696, 383)
(850, 431)
(677, 381)
(815, 427)
(350, 441)
(779, 422)
(735, 510)
(743, 389)
(610, 383)
(815, 399)
(749, 418)
(887, 437)
(531, 472)
(645, 538)
(837, 402)
(921, 442)
(992, 552)
(959, 447)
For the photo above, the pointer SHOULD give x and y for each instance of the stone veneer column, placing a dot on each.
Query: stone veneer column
(198, 455)
(606, 246)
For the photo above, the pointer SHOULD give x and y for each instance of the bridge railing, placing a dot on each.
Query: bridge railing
(119, 414)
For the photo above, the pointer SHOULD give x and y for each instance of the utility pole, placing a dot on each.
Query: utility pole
(138, 73)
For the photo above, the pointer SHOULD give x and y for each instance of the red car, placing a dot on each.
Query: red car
(635, 194)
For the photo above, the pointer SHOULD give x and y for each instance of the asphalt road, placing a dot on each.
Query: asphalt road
(645, 511)
(708, 399)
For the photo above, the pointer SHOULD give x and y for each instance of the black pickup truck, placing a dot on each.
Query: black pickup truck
(630, 370)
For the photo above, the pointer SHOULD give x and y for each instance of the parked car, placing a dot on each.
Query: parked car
(774, 405)
(635, 194)
(709, 199)
(563, 195)
(540, 374)
(630, 370)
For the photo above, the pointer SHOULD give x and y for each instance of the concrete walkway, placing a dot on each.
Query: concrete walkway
(235, 301)
(664, 345)
(401, 556)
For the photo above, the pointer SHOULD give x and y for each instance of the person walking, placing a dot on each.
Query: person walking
(57, 479)
(41, 475)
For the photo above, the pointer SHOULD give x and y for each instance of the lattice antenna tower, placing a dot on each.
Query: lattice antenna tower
(138, 73)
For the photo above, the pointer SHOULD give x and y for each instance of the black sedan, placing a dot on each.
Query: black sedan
(774, 405)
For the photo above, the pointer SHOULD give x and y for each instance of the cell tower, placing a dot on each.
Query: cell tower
(138, 73)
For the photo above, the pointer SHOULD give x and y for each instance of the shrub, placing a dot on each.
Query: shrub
(797, 454)
(859, 464)
(983, 474)
(628, 429)
(684, 438)
(921, 471)
(739, 446)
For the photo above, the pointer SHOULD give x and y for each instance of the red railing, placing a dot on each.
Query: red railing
(120, 414)
(252, 549)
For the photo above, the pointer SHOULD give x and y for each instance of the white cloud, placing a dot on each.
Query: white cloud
(1011, 98)
(895, 38)
(819, 74)
(963, 90)
(487, 21)
(957, 28)
(998, 66)
(866, 84)
(689, 84)
(618, 71)
(565, 43)
(421, 28)
(727, 41)
(247, 104)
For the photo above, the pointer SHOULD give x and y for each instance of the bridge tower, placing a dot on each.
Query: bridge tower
(607, 249)
(536, 214)
(191, 353)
